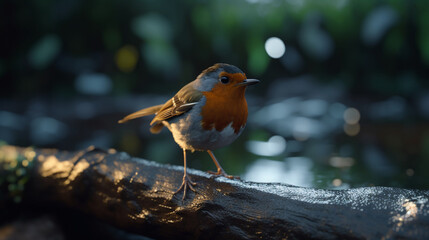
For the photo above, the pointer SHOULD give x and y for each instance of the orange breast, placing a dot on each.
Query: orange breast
(224, 105)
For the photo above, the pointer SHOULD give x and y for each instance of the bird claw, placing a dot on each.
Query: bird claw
(187, 182)
(222, 173)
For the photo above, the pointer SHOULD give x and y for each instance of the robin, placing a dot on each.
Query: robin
(206, 114)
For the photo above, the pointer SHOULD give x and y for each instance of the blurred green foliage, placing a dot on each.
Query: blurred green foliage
(47, 44)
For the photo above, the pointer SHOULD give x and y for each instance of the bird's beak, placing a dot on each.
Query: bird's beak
(248, 82)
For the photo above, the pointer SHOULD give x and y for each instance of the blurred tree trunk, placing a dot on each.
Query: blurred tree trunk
(136, 195)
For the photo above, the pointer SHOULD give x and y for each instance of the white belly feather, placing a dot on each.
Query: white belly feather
(189, 134)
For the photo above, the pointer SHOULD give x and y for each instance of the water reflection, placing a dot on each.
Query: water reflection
(313, 107)
(325, 132)
(293, 170)
(302, 119)
(276, 145)
(336, 110)
(341, 162)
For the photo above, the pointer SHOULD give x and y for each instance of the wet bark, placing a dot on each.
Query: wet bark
(136, 195)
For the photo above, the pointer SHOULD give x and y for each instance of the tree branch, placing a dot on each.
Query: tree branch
(137, 196)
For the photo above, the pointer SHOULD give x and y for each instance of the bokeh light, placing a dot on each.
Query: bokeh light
(126, 58)
(351, 116)
(275, 47)
(44, 51)
(341, 162)
(93, 84)
(352, 129)
(337, 182)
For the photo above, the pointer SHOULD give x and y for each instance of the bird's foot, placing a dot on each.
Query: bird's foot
(221, 172)
(186, 183)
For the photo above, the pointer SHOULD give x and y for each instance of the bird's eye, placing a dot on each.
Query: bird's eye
(224, 79)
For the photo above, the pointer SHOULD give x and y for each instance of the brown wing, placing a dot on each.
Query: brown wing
(182, 102)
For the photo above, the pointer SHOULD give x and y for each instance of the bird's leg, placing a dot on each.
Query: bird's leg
(220, 171)
(186, 180)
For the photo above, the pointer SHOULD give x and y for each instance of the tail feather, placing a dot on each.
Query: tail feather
(155, 129)
(142, 113)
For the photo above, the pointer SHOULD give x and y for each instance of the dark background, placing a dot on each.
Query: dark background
(70, 69)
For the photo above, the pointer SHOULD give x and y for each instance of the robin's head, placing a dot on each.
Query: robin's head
(223, 86)
(224, 77)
